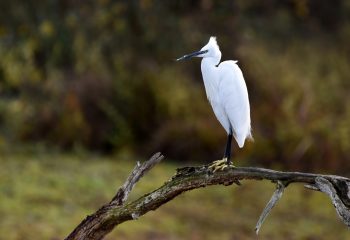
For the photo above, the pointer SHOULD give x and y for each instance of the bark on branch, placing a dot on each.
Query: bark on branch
(97, 225)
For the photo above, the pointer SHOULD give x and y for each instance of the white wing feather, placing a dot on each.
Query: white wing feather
(233, 96)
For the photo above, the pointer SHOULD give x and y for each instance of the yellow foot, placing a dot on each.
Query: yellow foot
(220, 165)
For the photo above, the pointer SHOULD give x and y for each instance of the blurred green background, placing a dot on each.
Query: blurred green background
(89, 86)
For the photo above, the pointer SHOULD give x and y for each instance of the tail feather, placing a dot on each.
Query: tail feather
(240, 139)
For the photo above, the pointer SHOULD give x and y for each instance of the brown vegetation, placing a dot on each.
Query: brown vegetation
(100, 76)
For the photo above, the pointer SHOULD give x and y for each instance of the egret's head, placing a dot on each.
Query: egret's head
(210, 50)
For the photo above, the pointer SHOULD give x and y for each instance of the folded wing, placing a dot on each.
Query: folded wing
(233, 96)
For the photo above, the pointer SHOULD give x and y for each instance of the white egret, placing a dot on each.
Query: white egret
(227, 93)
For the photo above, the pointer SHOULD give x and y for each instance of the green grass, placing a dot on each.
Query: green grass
(45, 196)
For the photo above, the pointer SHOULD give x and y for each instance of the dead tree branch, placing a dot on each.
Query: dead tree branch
(97, 225)
(274, 199)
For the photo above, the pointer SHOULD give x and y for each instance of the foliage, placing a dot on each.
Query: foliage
(100, 75)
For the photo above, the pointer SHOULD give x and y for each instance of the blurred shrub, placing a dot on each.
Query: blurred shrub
(100, 75)
(304, 93)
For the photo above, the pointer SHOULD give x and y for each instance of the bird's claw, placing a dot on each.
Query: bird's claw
(220, 165)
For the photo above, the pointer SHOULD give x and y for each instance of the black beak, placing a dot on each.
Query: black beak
(191, 55)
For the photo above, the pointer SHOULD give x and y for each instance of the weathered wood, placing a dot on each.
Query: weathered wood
(91, 227)
(336, 197)
(136, 174)
(97, 225)
(274, 199)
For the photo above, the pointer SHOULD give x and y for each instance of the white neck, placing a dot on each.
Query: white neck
(210, 77)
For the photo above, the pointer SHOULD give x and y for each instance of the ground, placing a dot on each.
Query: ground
(44, 196)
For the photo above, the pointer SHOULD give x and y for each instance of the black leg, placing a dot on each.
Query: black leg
(228, 148)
